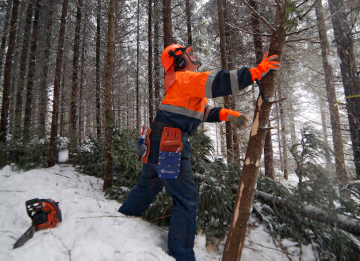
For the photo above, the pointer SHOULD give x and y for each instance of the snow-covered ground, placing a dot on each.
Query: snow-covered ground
(92, 229)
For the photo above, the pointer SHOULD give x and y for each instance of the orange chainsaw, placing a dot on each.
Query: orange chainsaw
(45, 213)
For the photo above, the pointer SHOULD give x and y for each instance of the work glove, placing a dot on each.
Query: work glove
(264, 67)
(240, 122)
(236, 118)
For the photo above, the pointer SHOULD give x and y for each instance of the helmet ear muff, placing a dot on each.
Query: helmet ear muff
(180, 62)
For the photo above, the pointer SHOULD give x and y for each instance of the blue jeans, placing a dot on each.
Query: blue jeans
(185, 205)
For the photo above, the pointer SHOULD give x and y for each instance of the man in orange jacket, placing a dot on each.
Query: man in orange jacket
(184, 107)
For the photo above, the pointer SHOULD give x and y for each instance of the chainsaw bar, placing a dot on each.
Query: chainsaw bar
(25, 237)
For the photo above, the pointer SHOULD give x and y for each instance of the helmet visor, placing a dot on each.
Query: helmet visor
(189, 51)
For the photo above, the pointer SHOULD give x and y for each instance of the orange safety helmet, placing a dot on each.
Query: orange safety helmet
(166, 59)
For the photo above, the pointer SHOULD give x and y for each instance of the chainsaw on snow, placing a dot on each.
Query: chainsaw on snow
(44, 213)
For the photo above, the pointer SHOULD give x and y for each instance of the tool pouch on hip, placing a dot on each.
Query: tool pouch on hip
(170, 153)
(144, 159)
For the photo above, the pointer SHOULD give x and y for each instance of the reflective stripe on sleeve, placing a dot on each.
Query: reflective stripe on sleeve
(182, 110)
(208, 108)
(234, 81)
(209, 83)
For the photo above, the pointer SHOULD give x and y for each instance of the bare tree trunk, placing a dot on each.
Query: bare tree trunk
(108, 90)
(137, 103)
(32, 67)
(3, 38)
(22, 72)
(224, 65)
(350, 77)
(75, 74)
(43, 100)
(157, 55)
(331, 95)
(324, 129)
(268, 148)
(82, 78)
(150, 63)
(7, 73)
(188, 21)
(62, 93)
(283, 134)
(98, 43)
(292, 122)
(279, 135)
(55, 111)
(167, 24)
(238, 226)
(269, 155)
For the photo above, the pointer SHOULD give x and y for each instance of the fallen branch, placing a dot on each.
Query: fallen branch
(343, 222)
(108, 216)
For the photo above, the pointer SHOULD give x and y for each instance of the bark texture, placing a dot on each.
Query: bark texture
(22, 73)
(31, 74)
(224, 65)
(55, 111)
(238, 226)
(188, 21)
(7, 72)
(45, 70)
(167, 24)
(108, 90)
(258, 44)
(75, 73)
(4, 37)
(350, 77)
(97, 61)
(157, 65)
(150, 63)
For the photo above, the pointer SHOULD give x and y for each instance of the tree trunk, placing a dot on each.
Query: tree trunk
(331, 96)
(292, 122)
(3, 38)
(75, 73)
(269, 155)
(108, 91)
(62, 93)
(279, 135)
(188, 21)
(224, 65)
(324, 129)
(137, 104)
(82, 78)
(7, 73)
(238, 226)
(43, 100)
(98, 43)
(22, 73)
(350, 77)
(55, 111)
(167, 26)
(283, 134)
(268, 148)
(31, 73)
(157, 65)
(150, 63)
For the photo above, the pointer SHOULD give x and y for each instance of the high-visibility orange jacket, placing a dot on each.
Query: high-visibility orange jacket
(185, 104)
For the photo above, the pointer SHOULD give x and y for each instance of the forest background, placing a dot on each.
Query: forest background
(86, 75)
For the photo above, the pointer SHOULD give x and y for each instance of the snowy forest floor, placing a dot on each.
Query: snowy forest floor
(92, 229)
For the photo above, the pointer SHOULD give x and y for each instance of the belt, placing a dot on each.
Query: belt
(157, 129)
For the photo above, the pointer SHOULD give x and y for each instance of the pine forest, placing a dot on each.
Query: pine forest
(81, 78)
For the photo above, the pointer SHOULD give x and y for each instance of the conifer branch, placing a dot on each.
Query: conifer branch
(258, 15)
